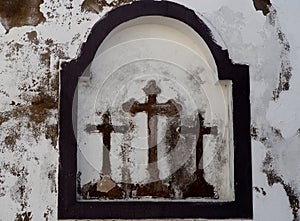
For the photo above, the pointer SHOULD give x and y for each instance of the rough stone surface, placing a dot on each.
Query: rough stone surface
(35, 36)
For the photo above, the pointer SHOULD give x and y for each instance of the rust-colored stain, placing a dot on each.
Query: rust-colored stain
(52, 133)
(32, 37)
(4, 118)
(37, 113)
(39, 98)
(40, 104)
(191, 185)
(96, 6)
(18, 13)
(29, 116)
(11, 139)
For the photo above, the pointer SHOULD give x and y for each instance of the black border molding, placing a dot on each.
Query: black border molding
(69, 208)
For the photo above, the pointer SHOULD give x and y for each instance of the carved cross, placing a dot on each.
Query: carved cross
(199, 130)
(152, 109)
(106, 128)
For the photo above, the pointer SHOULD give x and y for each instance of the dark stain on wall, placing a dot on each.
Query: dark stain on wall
(26, 216)
(40, 105)
(19, 192)
(28, 115)
(4, 92)
(277, 133)
(18, 13)
(96, 6)
(273, 178)
(48, 214)
(286, 68)
(262, 5)
(18, 189)
(52, 133)
(52, 178)
(259, 136)
(13, 134)
(39, 98)
(260, 190)
(10, 140)
(37, 103)
(32, 37)
(268, 168)
(4, 118)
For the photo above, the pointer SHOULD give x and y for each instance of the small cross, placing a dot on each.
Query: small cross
(199, 130)
(152, 109)
(106, 128)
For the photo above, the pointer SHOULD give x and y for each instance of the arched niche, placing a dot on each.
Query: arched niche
(164, 43)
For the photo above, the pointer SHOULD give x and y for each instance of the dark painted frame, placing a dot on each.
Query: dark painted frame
(69, 208)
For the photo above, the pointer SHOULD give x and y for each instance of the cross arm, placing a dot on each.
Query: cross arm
(169, 108)
(123, 129)
(132, 106)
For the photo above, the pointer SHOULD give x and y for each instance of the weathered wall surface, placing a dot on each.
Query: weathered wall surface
(35, 36)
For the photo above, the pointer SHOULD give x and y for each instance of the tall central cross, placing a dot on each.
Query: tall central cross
(152, 108)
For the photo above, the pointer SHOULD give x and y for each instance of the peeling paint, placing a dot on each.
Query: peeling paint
(262, 5)
(97, 6)
(48, 215)
(36, 113)
(270, 169)
(26, 216)
(52, 134)
(32, 37)
(39, 97)
(286, 68)
(19, 13)
(260, 190)
(29, 78)
(274, 178)
(17, 192)
(30, 117)
(52, 178)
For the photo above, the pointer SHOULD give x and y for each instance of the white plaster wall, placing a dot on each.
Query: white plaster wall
(29, 158)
